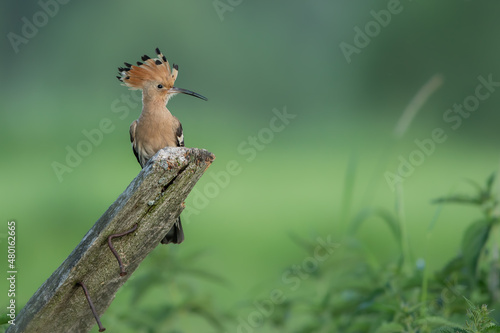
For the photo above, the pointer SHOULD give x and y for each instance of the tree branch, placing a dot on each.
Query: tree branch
(153, 201)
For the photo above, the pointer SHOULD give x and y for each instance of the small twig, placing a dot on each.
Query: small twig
(117, 256)
(92, 308)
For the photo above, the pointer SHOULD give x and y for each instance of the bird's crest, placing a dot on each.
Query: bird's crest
(150, 69)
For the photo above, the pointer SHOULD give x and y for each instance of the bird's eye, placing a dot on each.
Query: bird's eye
(160, 86)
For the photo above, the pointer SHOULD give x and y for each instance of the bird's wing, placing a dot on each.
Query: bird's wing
(180, 136)
(132, 140)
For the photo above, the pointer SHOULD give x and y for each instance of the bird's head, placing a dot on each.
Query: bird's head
(154, 77)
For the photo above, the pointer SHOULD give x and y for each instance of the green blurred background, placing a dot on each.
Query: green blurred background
(248, 59)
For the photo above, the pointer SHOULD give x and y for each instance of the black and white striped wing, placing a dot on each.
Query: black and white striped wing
(132, 140)
(180, 136)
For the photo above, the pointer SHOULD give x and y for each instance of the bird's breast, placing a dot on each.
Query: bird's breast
(154, 135)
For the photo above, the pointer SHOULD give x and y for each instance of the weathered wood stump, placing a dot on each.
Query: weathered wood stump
(153, 201)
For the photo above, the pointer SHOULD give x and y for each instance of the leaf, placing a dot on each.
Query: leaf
(483, 194)
(435, 321)
(474, 240)
(310, 327)
(207, 313)
(302, 242)
(349, 181)
(325, 301)
(454, 265)
(390, 328)
(389, 218)
(203, 274)
(142, 283)
(489, 183)
(470, 305)
(392, 222)
(359, 219)
(458, 199)
(449, 330)
(435, 218)
(474, 184)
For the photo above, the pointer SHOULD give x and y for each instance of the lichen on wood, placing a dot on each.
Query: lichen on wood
(153, 200)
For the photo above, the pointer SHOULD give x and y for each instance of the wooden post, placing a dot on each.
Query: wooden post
(153, 201)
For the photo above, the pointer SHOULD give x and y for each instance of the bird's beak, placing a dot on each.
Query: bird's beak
(175, 90)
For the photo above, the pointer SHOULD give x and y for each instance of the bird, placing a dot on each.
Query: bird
(156, 128)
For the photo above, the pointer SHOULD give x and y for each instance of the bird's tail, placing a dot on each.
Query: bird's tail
(175, 234)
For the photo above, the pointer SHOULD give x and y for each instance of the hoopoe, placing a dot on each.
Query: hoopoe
(156, 127)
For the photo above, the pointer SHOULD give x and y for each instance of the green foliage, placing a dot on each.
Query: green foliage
(175, 292)
(365, 295)
(4, 322)
(479, 320)
(348, 290)
(484, 197)
(351, 291)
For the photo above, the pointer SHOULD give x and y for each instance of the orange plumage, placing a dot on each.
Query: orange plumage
(150, 70)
